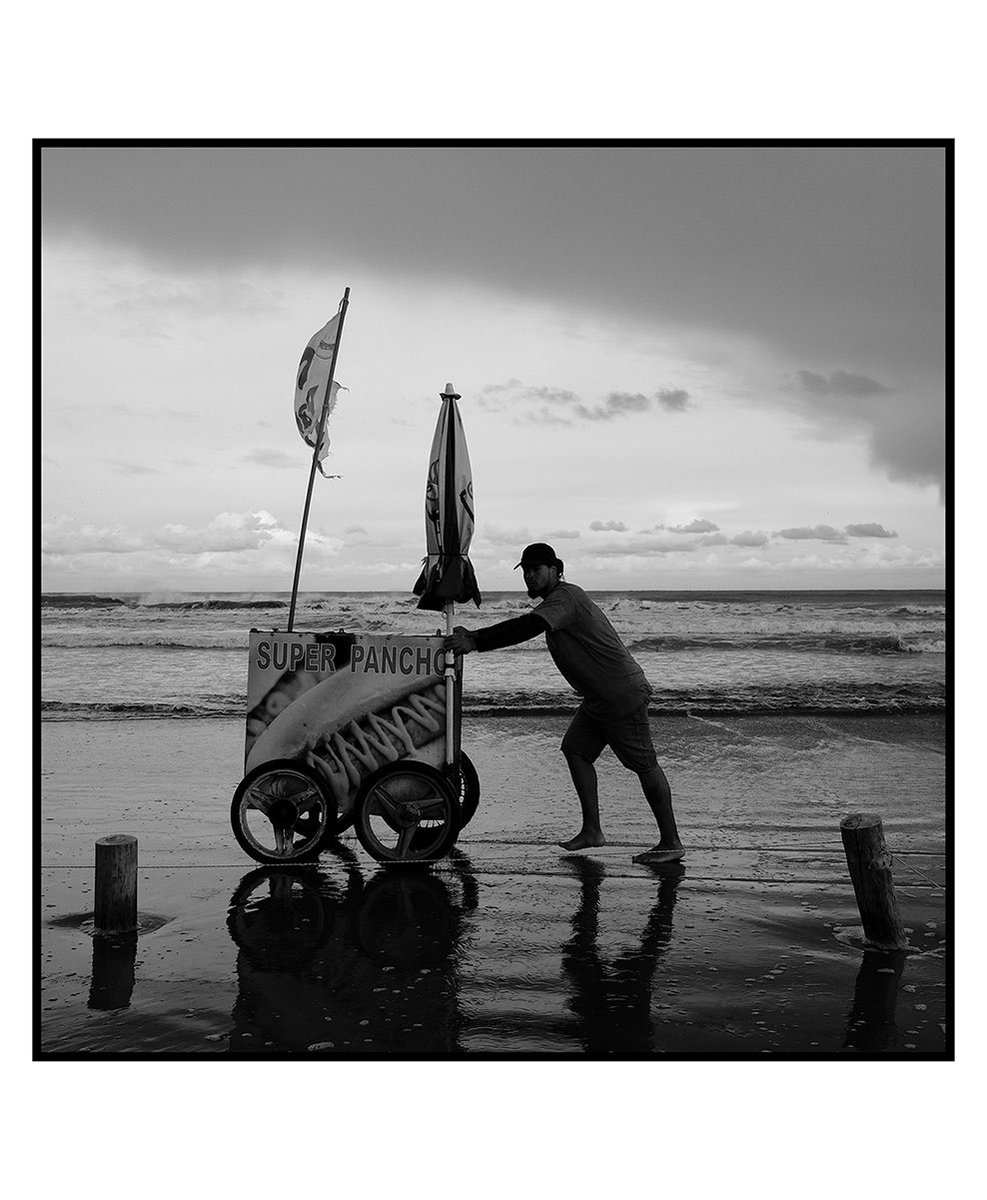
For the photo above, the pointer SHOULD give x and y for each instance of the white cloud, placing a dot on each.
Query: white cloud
(497, 536)
(747, 538)
(273, 458)
(65, 535)
(699, 525)
(231, 548)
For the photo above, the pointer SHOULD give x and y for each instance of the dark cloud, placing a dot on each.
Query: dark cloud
(718, 237)
(814, 533)
(544, 405)
(840, 383)
(617, 404)
(561, 535)
(672, 399)
(911, 445)
(905, 430)
(747, 538)
(699, 525)
(531, 405)
(622, 404)
(608, 526)
(869, 529)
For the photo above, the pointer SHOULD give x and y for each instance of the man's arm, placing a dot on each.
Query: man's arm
(496, 637)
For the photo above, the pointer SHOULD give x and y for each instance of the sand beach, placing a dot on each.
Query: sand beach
(509, 947)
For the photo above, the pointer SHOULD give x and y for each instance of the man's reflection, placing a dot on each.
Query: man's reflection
(330, 961)
(612, 1000)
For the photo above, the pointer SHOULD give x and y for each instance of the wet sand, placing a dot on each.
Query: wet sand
(510, 946)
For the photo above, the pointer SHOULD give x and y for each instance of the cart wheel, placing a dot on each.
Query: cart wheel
(406, 812)
(469, 790)
(281, 813)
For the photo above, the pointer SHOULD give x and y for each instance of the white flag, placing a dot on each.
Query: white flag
(310, 387)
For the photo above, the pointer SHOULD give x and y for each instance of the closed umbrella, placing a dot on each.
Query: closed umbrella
(447, 577)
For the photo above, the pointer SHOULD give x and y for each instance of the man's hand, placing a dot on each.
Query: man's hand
(460, 641)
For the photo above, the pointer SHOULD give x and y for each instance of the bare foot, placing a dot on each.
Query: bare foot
(660, 854)
(583, 841)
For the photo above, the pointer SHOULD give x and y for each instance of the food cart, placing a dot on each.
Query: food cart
(353, 729)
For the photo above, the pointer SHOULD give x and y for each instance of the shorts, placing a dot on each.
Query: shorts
(629, 737)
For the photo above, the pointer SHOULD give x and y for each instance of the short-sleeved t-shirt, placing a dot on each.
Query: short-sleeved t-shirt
(586, 649)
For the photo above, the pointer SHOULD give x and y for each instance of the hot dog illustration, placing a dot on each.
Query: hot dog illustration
(347, 726)
(287, 689)
(304, 660)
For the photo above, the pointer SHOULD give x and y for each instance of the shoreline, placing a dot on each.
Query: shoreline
(123, 712)
(509, 947)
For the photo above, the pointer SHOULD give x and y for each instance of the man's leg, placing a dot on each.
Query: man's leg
(581, 746)
(659, 796)
(584, 778)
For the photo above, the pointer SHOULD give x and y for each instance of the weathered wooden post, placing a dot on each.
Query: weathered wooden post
(115, 907)
(869, 863)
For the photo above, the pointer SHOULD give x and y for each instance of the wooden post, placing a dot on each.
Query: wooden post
(870, 871)
(115, 908)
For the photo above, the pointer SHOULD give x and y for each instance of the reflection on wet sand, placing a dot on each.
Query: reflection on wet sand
(330, 962)
(612, 999)
(871, 1022)
(114, 962)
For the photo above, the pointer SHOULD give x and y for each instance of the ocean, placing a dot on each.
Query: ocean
(167, 655)
(775, 715)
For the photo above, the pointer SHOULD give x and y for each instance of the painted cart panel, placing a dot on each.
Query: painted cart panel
(348, 703)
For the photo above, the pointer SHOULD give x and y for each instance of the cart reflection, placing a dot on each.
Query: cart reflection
(330, 962)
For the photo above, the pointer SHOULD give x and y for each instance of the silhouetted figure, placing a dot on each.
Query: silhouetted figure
(615, 692)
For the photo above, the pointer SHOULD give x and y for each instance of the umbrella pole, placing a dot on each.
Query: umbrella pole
(450, 673)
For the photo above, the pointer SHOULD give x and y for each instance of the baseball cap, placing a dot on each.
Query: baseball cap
(539, 554)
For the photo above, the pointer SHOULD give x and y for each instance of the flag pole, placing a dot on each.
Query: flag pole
(450, 605)
(450, 674)
(315, 459)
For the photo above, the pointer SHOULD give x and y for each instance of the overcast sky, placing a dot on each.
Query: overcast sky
(685, 367)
